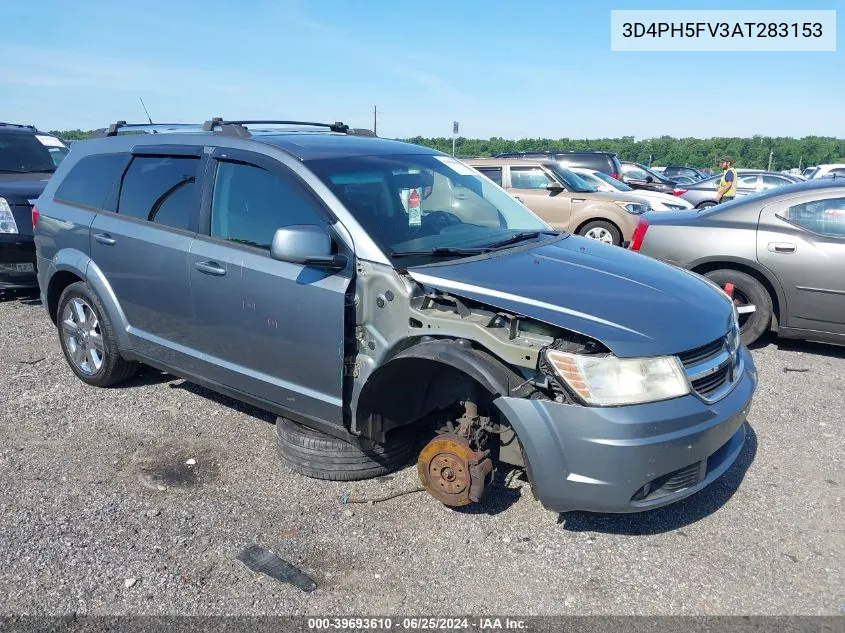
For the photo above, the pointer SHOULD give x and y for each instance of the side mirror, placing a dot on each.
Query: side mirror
(649, 179)
(307, 245)
(554, 187)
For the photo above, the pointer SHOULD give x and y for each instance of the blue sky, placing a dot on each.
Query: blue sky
(501, 67)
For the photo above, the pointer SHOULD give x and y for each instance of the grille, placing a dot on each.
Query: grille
(678, 480)
(683, 478)
(711, 368)
(702, 353)
(711, 384)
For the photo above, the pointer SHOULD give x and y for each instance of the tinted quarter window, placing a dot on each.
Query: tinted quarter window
(826, 217)
(90, 182)
(251, 203)
(770, 182)
(493, 173)
(529, 178)
(160, 189)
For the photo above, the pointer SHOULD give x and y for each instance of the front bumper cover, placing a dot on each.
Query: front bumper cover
(633, 458)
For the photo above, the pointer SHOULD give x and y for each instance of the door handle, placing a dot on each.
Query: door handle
(579, 199)
(782, 247)
(210, 268)
(518, 198)
(105, 238)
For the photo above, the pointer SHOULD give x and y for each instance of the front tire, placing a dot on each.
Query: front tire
(748, 292)
(706, 205)
(601, 231)
(87, 338)
(321, 456)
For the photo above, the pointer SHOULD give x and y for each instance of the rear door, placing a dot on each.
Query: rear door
(529, 184)
(803, 241)
(267, 328)
(142, 249)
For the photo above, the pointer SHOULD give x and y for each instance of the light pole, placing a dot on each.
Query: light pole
(454, 136)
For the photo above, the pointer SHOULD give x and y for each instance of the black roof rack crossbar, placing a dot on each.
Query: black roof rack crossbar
(154, 128)
(337, 126)
(31, 127)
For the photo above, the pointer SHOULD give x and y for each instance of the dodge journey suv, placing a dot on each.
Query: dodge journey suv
(388, 302)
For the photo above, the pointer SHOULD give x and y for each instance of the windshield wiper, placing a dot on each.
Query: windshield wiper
(27, 171)
(520, 237)
(442, 251)
(13, 171)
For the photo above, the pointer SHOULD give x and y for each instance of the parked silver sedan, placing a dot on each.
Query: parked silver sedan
(781, 254)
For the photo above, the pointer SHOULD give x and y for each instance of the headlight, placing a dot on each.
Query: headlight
(634, 208)
(675, 207)
(7, 220)
(609, 381)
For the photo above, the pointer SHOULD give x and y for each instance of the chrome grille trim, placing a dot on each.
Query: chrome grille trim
(714, 369)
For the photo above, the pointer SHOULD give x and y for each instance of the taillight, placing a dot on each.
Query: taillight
(35, 216)
(615, 174)
(679, 192)
(639, 234)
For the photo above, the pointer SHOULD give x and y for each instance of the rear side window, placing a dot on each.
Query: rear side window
(90, 182)
(251, 203)
(160, 189)
(825, 217)
(493, 173)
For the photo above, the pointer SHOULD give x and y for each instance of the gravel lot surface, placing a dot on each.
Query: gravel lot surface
(85, 527)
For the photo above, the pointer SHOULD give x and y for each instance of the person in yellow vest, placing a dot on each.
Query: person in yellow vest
(727, 186)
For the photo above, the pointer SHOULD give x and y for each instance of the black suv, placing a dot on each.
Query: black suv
(605, 162)
(27, 159)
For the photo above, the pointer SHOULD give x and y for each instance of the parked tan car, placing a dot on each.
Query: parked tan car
(564, 200)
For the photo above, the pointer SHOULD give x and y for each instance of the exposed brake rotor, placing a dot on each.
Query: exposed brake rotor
(452, 472)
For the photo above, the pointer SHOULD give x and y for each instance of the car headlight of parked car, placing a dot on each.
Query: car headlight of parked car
(634, 208)
(675, 207)
(7, 220)
(612, 381)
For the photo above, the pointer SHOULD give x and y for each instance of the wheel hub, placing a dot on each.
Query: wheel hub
(452, 472)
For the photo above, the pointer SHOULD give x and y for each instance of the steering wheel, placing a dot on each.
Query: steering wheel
(436, 221)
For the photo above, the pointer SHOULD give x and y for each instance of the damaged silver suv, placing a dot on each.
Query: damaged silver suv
(389, 303)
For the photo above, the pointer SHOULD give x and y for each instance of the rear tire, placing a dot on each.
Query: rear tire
(751, 292)
(321, 456)
(601, 231)
(87, 338)
(706, 205)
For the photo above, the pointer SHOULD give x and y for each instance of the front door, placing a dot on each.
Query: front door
(803, 241)
(530, 184)
(267, 328)
(142, 249)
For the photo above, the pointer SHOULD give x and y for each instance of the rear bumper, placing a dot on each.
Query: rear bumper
(17, 262)
(634, 458)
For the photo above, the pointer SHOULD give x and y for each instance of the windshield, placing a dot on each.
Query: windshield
(28, 153)
(419, 203)
(571, 180)
(616, 184)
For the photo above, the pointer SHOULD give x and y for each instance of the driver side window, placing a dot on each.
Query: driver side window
(634, 173)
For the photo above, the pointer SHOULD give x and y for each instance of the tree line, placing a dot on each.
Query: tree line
(751, 153)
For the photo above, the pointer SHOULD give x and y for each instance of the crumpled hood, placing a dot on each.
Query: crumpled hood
(19, 188)
(635, 305)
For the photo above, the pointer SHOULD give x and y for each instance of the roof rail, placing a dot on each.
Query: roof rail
(152, 128)
(31, 127)
(239, 129)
